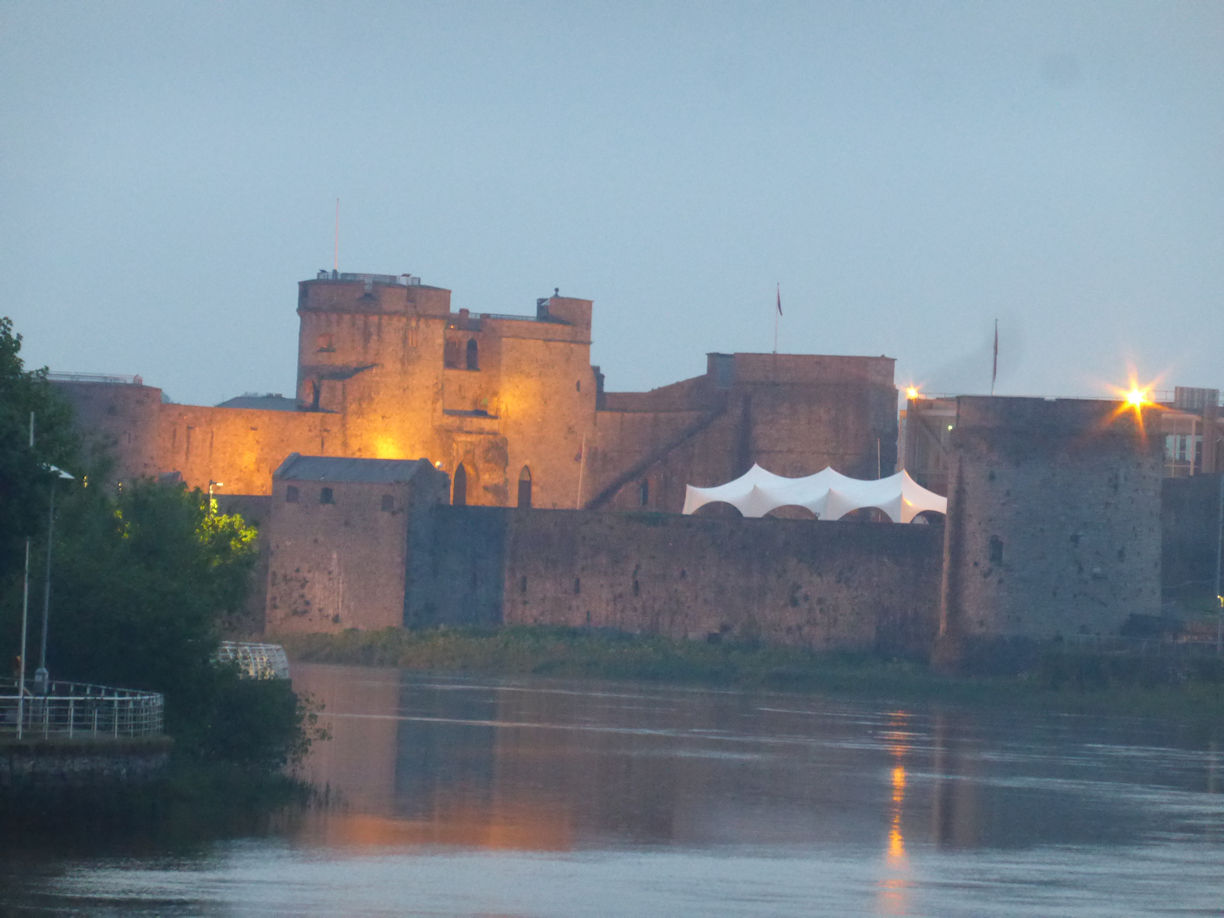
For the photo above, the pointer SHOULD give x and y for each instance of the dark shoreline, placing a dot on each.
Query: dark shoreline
(1058, 679)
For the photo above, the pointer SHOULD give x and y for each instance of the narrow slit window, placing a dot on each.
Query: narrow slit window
(524, 487)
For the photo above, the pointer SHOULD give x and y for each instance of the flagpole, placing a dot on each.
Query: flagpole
(777, 315)
(994, 369)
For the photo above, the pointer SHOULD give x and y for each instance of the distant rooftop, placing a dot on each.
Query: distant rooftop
(340, 469)
(267, 402)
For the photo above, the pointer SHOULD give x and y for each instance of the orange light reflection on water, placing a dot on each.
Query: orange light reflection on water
(893, 885)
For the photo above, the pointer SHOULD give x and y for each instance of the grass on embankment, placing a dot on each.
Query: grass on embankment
(1058, 680)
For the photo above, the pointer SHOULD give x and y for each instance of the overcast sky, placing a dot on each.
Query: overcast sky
(908, 172)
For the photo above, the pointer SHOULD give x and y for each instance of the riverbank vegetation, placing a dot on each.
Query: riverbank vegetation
(1056, 678)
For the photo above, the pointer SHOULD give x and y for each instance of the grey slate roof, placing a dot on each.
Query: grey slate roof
(262, 402)
(340, 469)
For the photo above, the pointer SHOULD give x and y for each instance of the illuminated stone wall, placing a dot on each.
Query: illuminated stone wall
(241, 447)
(119, 419)
(1054, 519)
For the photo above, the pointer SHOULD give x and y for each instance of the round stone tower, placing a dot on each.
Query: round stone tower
(1053, 523)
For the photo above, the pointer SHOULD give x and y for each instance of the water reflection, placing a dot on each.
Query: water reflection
(894, 881)
(549, 766)
(552, 798)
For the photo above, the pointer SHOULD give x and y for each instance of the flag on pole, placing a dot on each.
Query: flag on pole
(994, 370)
(779, 299)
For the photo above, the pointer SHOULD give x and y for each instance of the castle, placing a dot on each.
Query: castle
(1053, 529)
(509, 406)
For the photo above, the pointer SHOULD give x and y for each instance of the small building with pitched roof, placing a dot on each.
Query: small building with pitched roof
(343, 535)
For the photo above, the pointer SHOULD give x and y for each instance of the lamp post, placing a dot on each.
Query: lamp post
(1219, 552)
(25, 618)
(41, 676)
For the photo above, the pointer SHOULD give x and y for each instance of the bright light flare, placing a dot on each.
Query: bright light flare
(1136, 397)
(911, 392)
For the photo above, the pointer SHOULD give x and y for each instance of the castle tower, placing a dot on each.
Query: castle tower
(1053, 523)
(503, 403)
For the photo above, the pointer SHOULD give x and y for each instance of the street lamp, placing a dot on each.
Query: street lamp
(41, 676)
(1219, 552)
(25, 602)
(213, 484)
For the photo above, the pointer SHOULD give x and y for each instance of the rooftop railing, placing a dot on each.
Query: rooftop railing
(73, 710)
(111, 378)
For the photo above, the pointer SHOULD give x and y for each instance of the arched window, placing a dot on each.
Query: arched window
(291, 494)
(644, 492)
(473, 362)
(524, 487)
(459, 491)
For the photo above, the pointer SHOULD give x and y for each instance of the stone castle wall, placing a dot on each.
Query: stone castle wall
(1190, 522)
(241, 447)
(120, 420)
(792, 414)
(822, 585)
(1054, 519)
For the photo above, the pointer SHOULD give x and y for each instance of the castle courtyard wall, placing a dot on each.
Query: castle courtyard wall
(821, 585)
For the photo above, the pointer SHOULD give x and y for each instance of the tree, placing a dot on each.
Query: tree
(24, 479)
(143, 577)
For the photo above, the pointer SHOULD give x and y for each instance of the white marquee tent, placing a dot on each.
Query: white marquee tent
(830, 495)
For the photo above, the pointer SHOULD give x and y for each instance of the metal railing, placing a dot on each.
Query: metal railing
(257, 661)
(112, 378)
(77, 711)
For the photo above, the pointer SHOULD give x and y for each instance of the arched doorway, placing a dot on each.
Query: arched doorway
(473, 362)
(459, 491)
(524, 487)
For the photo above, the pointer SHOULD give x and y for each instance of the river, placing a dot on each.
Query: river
(459, 796)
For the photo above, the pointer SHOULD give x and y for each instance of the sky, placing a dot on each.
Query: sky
(906, 173)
